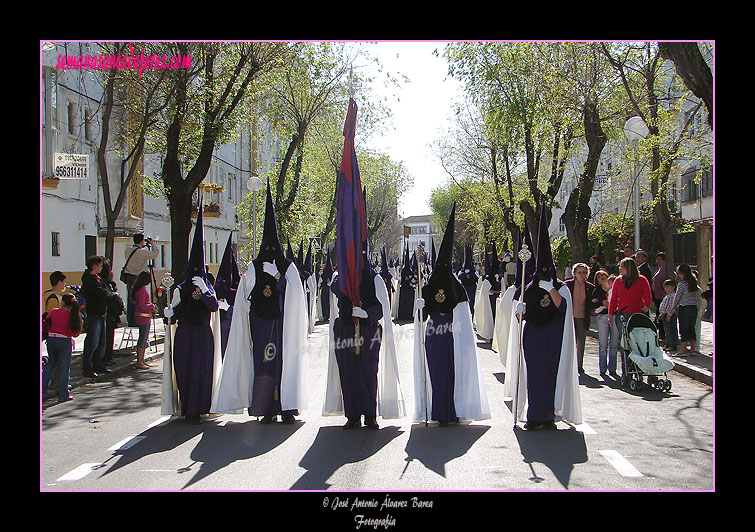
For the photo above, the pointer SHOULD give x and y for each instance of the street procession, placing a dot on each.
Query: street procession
(513, 297)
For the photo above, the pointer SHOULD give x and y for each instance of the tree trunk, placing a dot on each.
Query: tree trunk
(577, 214)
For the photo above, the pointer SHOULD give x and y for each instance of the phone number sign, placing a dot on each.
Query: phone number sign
(71, 166)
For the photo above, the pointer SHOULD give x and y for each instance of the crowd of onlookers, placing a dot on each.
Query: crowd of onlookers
(611, 293)
(96, 307)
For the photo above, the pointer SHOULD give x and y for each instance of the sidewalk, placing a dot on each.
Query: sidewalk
(124, 355)
(699, 366)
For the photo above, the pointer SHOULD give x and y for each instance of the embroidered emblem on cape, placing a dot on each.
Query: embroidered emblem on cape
(440, 297)
(270, 352)
(267, 292)
(545, 301)
(197, 293)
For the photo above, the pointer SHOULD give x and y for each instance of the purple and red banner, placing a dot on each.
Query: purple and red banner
(351, 218)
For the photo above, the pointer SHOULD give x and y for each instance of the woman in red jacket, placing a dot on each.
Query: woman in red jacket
(630, 295)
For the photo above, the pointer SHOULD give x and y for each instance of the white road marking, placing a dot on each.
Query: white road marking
(78, 473)
(584, 428)
(621, 464)
(159, 421)
(127, 443)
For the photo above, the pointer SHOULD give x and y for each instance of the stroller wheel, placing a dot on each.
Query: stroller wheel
(659, 384)
(634, 385)
(667, 387)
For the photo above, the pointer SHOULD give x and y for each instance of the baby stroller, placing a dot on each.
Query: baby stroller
(642, 355)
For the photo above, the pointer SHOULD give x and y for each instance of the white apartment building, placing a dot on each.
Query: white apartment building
(418, 231)
(73, 222)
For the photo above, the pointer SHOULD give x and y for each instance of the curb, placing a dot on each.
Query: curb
(680, 366)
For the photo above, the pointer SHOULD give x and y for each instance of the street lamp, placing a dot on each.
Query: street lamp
(253, 184)
(635, 129)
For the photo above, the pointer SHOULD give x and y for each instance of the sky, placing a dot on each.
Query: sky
(421, 112)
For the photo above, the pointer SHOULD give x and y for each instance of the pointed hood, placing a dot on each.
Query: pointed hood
(385, 272)
(327, 272)
(196, 264)
(290, 253)
(525, 238)
(264, 297)
(308, 259)
(443, 290)
(433, 255)
(270, 247)
(540, 308)
(545, 267)
(227, 280)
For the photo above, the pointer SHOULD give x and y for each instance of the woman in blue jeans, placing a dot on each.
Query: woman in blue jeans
(64, 325)
(608, 334)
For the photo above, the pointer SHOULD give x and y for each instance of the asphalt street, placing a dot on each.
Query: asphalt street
(111, 437)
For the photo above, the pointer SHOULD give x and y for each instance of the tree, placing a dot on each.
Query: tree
(202, 112)
(654, 97)
(143, 98)
(694, 70)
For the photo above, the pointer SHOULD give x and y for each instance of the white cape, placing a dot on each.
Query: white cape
(236, 381)
(312, 310)
(390, 401)
(567, 404)
(483, 312)
(170, 402)
(470, 398)
(504, 305)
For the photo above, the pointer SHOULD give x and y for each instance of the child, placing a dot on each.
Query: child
(668, 316)
(65, 325)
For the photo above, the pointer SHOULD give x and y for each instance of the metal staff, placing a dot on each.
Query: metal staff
(524, 255)
(422, 337)
(168, 381)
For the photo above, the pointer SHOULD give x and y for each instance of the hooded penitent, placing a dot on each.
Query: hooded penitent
(385, 271)
(527, 269)
(265, 366)
(407, 286)
(226, 284)
(196, 349)
(455, 387)
(324, 297)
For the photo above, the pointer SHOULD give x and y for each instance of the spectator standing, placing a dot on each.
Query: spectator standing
(137, 260)
(97, 295)
(608, 335)
(53, 296)
(641, 259)
(630, 294)
(685, 304)
(708, 297)
(595, 267)
(115, 308)
(65, 325)
(658, 281)
(143, 310)
(568, 274)
(668, 315)
(581, 292)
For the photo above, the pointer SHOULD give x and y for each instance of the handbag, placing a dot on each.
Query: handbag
(124, 275)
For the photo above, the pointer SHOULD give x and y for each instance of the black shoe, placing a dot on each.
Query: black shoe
(352, 423)
(266, 420)
(533, 425)
(549, 425)
(103, 371)
(288, 419)
(370, 422)
(91, 374)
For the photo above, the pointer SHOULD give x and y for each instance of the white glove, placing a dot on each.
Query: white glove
(521, 307)
(359, 312)
(199, 283)
(420, 303)
(222, 305)
(168, 312)
(270, 268)
(546, 285)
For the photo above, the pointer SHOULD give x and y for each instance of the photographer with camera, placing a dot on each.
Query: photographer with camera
(137, 261)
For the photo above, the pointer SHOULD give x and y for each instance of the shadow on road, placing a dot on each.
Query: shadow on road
(334, 447)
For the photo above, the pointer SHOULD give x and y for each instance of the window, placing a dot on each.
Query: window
(71, 117)
(55, 244)
(90, 246)
(162, 256)
(53, 99)
(707, 182)
(690, 189)
(230, 187)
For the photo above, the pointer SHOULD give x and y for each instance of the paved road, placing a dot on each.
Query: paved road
(112, 437)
